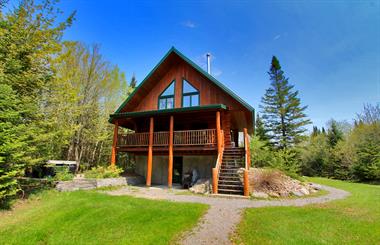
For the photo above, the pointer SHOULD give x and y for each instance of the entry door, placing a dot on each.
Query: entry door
(177, 169)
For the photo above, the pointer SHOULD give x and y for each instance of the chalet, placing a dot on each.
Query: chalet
(181, 118)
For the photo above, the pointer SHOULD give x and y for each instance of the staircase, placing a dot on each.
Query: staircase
(229, 181)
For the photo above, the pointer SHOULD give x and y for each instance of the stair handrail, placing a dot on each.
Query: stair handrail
(216, 169)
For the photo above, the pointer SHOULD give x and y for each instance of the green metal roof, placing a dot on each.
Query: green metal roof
(166, 111)
(196, 67)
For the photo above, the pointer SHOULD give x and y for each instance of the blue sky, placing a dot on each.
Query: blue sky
(330, 50)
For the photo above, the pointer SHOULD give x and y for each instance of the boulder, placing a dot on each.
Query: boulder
(202, 186)
(273, 194)
(304, 191)
(315, 186)
(297, 193)
(259, 194)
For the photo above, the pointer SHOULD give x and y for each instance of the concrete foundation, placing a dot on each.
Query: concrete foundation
(203, 164)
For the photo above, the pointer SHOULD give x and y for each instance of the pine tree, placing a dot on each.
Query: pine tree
(260, 129)
(132, 85)
(283, 115)
(315, 132)
(12, 143)
(334, 134)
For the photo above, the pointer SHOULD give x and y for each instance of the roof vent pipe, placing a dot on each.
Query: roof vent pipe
(208, 55)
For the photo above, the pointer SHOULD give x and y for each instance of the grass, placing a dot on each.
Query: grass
(354, 220)
(95, 218)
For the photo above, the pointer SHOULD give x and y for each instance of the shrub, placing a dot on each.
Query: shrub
(285, 160)
(63, 174)
(315, 156)
(103, 172)
(263, 155)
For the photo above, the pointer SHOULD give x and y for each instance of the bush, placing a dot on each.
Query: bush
(315, 156)
(63, 174)
(103, 172)
(285, 160)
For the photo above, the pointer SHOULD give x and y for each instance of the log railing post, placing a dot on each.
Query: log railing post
(246, 183)
(247, 162)
(150, 153)
(114, 144)
(247, 149)
(170, 166)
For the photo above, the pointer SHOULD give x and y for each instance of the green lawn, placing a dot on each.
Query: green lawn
(94, 218)
(354, 220)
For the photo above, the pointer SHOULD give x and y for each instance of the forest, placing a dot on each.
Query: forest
(56, 96)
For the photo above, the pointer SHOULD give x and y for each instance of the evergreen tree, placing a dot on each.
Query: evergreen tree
(132, 85)
(260, 129)
(334, 134)
(283, 115)
(11, 143)
(315, 132)
(29, 39)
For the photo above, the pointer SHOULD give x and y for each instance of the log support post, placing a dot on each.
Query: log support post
(170, 166)
(218, 133)
(114, 144)
(215, 170)
(150, 154)
(214, 180)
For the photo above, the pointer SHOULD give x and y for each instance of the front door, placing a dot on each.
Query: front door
(177, 169)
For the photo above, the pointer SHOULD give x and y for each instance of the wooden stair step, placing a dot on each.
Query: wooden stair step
(241, 192)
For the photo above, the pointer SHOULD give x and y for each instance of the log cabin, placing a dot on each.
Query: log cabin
(180, 118)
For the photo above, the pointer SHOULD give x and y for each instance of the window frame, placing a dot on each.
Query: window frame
(166, 97)
(190, 94)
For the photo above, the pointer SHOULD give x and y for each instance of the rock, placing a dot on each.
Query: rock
(304, 191)
(88, 184)
(297, 193)
(259, 194)
(313, 190)
(202, 186)
(110, 182)
(273, 194)
(315, 186)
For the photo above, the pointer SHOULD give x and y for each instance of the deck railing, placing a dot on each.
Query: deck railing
(195, 137)
(180, 138)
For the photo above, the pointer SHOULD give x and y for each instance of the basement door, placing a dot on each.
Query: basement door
(177, 169)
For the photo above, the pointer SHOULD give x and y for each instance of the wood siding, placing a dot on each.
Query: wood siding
(209, 93)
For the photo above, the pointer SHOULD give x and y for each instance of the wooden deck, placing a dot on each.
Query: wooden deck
(204, 139)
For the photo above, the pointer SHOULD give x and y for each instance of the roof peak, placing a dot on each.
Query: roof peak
(196, 67)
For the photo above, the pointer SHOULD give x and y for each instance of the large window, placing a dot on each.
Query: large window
(190, 95)
(166, 99)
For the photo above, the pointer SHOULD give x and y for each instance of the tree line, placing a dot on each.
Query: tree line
(55, 96)
(347, 151)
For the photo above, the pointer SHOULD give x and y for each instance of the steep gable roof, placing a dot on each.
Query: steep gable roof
(165, 61)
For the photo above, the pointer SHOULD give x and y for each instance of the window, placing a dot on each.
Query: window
(190, 95)
(166, 99)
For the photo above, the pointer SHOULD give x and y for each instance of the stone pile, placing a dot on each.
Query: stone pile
(266, 183)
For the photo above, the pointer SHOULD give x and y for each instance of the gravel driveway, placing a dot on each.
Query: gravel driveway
(224, 213)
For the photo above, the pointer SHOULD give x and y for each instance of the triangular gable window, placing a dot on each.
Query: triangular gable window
(190, 95)
(166, 99)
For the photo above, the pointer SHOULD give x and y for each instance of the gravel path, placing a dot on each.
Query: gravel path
(224, 213)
